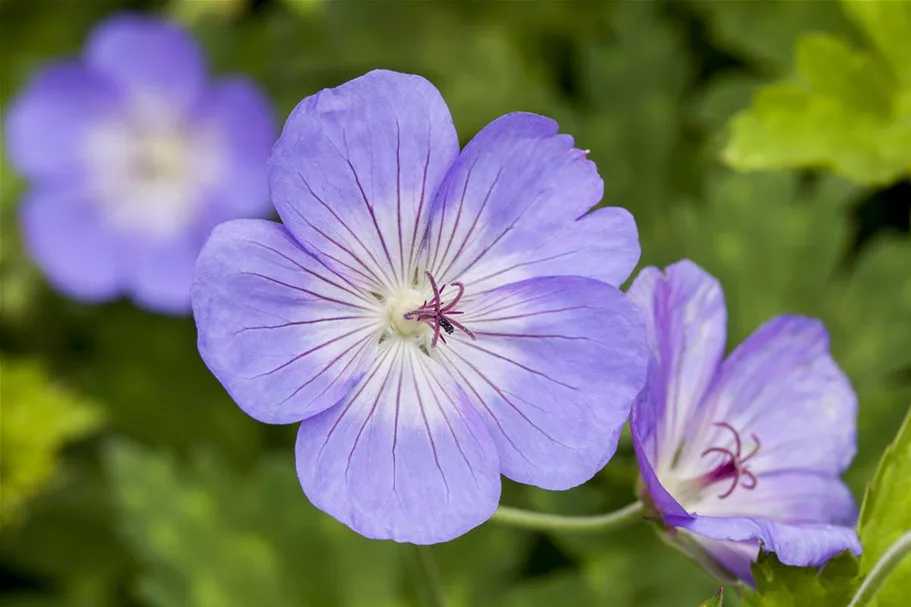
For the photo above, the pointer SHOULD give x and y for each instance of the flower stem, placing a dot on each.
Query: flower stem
(886, 565)
(431, 574)
(557, 522)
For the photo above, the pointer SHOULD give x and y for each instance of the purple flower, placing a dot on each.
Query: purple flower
(134, 157)
(742, 453)
(433, 318)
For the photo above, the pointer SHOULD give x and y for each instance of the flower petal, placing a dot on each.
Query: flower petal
(782, 385)
(151, 58)
(791, 496)
(159, 274)
(356, 166)
(67, 237)
(603, 245)
(516, 185)
(404, 456)
(240, 116)
(800, 545)
(555, 368)
(284, 332)
(736, 558)
(686, 321)
(47, 123)
(657, 497)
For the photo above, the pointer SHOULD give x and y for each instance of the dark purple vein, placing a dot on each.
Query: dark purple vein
(307, 270)
(311, 351)
(307, 291)
(520, 365)
(507, 401)
(295, 324)
(352, 399)
(474, 224)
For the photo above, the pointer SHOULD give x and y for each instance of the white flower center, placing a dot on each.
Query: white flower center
(150, 170)
(394, 313)
(721, 469)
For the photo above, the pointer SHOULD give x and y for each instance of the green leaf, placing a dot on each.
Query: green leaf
(716, 601)
(147, 368)
(17, 274)
(564, 589)
(764, 33)
(210, 536)
(778, 585)
(39, 418)
(846, 110)
(801, 226)
(888, 26)
(67, 538)
(886, 515)
(194, 11)
(305, 7)
(634, 81)
(193, 555)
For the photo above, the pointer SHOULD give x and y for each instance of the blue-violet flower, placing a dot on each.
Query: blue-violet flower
(134, 156)
(433, 318)
(745, 453)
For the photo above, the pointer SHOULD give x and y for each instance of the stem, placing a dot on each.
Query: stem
(431, 574)
(557, 522)
(886, 565)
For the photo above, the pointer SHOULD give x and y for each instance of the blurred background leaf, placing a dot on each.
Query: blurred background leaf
(846, 109)
(180, 499)
(38, 419)
(205, 539)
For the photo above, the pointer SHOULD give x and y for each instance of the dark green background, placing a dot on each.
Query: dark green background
(180, 499)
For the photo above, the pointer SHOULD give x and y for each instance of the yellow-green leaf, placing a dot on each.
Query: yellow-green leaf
(778, 585)
(37, 419)
(846, 109)
(717, 599)
(888, 25)
(886, 515)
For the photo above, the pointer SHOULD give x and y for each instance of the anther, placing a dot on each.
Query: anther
(734, 467)
(439, 316)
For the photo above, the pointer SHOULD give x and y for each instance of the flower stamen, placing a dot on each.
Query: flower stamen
(438, 316)
(734, 468)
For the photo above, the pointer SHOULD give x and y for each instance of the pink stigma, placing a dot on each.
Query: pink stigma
(734, 468)
(437, 316)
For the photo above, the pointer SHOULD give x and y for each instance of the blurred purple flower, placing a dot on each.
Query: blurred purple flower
(134, 157)
(744, 453)
(433, 318)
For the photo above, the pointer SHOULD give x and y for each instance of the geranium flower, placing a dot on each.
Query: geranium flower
(434, 319)
(134, 156)
(746, 453)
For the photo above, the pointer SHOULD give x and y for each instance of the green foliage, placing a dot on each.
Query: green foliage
(717, 599)
(38, 419)
(886, 515)
(304, 6)
(846, 110)
(780, 586)
(16, 272)
(186, 501)
(764, 33)
(205, 539)
(193, 11)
